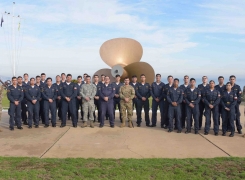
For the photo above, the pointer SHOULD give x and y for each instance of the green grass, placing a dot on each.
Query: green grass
(35, 168)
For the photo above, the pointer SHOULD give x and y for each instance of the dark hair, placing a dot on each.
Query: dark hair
(186, 76)
(32, 78)
(228, 83)
(126, 78)
(102, 75)
(170, 76)
(68, 75)
(79, 77)
(43, 74)
(232, 76)
(205, 76)
(57, 75)
(19, 77)
(96, 75)
(211, 81)
(134, 76)
(14, 77)
(88, 76)
(118, 75)
(49, 78)
(142, 75)
(38, 76)
(63, 74)
(107, 76)
(221, 77)
(176, 79)
(85, 74)
(192, 79)
(25, 74)
(158, 75)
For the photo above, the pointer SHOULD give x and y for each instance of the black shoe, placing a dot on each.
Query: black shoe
(46, 126)
(224, 134)
(81, 118)
(100, 126)
(62, 126)
(152, 125)
(75, 126)
(53, 125)
(179, 131)
(25, 123)
(36, 126)
(59, 118)
(148, 125)
(43, 122)
(112, 126)
(216, 134)
(107, 118)
(186, 132)
(162, 126)
(200, 128)
(240, 131)
(170, 130)
(19, 127)
(165, 127)
(29, 127)
(231, 135)
(11, 128)
(205, 133)
(138, 125)
(196, 132)
(175, 128)
(69, 119)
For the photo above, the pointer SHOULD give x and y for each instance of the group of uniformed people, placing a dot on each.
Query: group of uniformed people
(179, 106)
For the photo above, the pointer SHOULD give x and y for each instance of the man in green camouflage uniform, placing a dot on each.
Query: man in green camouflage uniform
(87, 92)
(126, 94)
(1, 106)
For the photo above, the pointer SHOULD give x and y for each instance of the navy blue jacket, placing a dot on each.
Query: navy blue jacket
(68, 90)
(79, 87)
(192, 96)
(49, 93)
(211, 97)
(106, 91)
(229, 100)
(58, 88)
(175, 95)
(220, 89)
(143, 90)
(98, 86)
(202, 88)
(157, 90)
(165, 90)
(32, 93)
(15, 94)
(237, 89)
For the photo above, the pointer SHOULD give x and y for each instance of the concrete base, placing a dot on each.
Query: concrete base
(106, 142)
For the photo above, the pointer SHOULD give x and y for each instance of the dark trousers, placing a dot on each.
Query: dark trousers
(107, 107)
(192, 112)
(97, 105)
(15, 115)
(165, 113)
(155, 106)
(174, 112)
(183, 114)
(41, 112)
(238, 115)
(68, 106)
(215, 112)
(33, 113)
(52, 108)
(24, 110)
(58, 107)
(117, 104)
(79, 104)
(201, 112)
(228, 117)
(144, 104)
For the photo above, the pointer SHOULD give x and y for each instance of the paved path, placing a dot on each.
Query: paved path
(143, 142)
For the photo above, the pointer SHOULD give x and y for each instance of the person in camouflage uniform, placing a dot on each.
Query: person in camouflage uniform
(126, 94)
(87, 92)
(1, 97)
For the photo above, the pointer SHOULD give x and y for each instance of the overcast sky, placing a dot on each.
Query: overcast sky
(178, 37)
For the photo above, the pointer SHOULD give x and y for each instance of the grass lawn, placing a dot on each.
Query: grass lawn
(35, 168)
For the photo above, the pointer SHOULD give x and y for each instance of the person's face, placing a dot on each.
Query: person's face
(228, 87)
(232, 80)
(68, 78)
(43, 77)
(58, 79)
(96, 79)
(134, 79)
(26, 77)
(107, 80)
(79, 80)
(84, 76)
(158, 78)
(118, 79)
(170, 80)
(63, 77)
(193, 83)
(176, 83)
(186, 79)
(38, 80)
(126, 81)
(211, 84)
(14, 82)
(204, 79)
(142, 78)
(19, 80)
(88, 80)
(221, 81)
(102, 78)
(32, 82)
(49, 82)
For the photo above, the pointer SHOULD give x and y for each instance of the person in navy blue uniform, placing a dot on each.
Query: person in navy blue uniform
(116, 98)
(68, 95)
(63, 78)
(106, 95)
(175, 98)
(79, 98)
(49, 95)
(202, 87)
(33, 95)
(157, 99)
(143, 92)
(58, 86)
(25, 84)
(211, 98)
(237, 89)
(165, 120)
(228, 101)
(192, 98)
(221, 88)
(42, 84)
(183, 104)
(133, 83)
(15, 95)
(102, 81)
(97, 97)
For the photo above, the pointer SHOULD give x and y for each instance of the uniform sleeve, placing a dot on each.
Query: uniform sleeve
(185, 97)
(168, 97)
(121, 94)
(180, 97)
(204, 98)
(217, 101)
(152, 91)
(132, 94)
(164, 95)
(94, 90)
(27, 95)
(62, 92)
(45, 97)
(55, 95)
(74, 94)
(38, 94)
(10, 97)
(197, 100)
(111, 96)
(239, 95)
(137, 92)
(81, 92)
(235, 100)
(101, 95)
(148, 92)
(21, 95)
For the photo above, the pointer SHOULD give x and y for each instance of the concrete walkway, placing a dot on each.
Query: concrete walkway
(138, 142)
